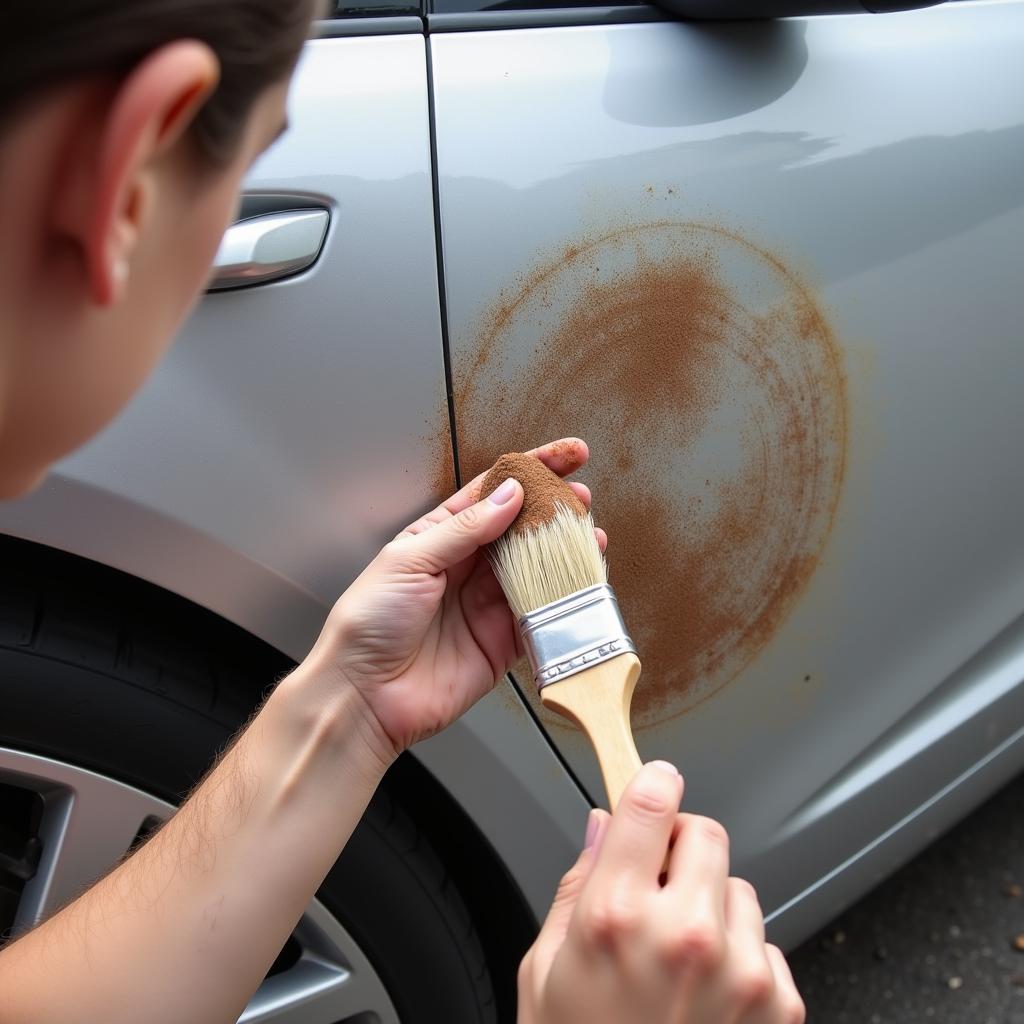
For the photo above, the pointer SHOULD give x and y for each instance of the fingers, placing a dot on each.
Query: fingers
(443, 512)
(563, 457)
(451, 540)
(752, 978)
(699, 863)
(536, 965)
(634, 848)
(743, 916)
(790, 1005)
(556, 924)
(761, 987)
(582, 492)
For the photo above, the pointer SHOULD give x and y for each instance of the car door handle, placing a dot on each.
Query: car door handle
(257, 250)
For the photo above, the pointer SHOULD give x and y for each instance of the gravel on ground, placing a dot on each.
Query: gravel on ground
(940, 942)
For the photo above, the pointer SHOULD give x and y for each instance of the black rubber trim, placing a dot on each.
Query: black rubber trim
(761, 10)
(385, 25)
(442, 293)
(477, 21)
(259, 203)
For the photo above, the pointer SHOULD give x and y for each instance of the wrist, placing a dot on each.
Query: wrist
(330, 714)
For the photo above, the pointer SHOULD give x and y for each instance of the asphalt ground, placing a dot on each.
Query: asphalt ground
(941, 941)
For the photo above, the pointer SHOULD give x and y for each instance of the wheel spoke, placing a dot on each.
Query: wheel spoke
(311, 993)
(333, 981)
(88, 824)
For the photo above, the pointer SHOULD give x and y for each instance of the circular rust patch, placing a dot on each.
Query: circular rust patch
(709, 387)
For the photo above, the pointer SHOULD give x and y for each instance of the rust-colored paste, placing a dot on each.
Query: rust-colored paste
(708, 384)
(543, 491)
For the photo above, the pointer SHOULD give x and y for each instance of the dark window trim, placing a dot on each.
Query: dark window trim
(478, 21)
(552, 17)
(381, 25)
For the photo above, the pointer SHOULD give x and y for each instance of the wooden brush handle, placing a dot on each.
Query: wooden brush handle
(597, 700)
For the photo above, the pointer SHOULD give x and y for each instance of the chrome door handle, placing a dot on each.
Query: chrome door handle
(266, 248)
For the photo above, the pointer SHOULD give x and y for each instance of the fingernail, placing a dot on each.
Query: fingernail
(592, 822)
(502, 493)
(665, 766)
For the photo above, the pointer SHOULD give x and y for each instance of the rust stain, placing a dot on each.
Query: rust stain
(711, 390)
(440, 459)
(441, 467)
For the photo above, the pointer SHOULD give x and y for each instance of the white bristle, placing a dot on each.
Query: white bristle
(549, 562)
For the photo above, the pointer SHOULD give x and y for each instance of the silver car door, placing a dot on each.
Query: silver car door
(771, 272)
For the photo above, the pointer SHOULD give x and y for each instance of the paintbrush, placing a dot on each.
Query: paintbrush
(556, 582)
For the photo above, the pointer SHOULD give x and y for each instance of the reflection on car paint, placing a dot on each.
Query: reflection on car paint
(711, 390)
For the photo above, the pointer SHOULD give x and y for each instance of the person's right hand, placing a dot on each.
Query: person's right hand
(621, 945)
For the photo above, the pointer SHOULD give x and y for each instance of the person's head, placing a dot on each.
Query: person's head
(125, 129)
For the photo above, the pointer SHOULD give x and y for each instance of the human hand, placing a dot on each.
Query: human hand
(620, 946)
(425, 631)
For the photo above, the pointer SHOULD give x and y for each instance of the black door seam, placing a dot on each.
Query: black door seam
(442, 293)
(446, 347)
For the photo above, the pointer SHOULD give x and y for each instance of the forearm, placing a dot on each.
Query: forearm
(187, 927)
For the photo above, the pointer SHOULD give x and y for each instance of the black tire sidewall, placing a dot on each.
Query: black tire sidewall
(387, 889)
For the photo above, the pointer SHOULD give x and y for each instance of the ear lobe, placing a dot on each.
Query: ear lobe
(148, 115)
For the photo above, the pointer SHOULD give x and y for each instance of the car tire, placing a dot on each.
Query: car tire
(101, 672)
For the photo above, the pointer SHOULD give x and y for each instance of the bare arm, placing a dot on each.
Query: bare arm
(186, 928)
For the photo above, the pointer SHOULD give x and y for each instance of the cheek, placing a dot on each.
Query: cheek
(93, 382)
(67, 392)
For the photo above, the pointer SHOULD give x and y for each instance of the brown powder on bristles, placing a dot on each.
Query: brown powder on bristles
(543, 490)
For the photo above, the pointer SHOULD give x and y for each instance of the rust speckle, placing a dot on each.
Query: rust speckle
(710, 389)
(441, 466)
(567, 453)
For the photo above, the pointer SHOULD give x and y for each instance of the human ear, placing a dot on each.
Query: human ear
(143, 119)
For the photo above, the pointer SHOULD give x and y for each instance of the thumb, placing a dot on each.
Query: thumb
(556, 924)
(455, 539)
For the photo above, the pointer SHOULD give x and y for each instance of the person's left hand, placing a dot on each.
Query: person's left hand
(425, 631)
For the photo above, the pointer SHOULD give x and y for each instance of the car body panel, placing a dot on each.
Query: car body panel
(849, 187)
(294, 428)
(852, 183)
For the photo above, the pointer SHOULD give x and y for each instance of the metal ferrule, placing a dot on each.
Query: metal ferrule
(574, 633)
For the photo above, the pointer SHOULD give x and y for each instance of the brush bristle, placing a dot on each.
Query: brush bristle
(548, 562)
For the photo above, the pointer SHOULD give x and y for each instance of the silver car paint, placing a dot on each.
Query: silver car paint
(289, 433)
(294, 428)
(884, 158)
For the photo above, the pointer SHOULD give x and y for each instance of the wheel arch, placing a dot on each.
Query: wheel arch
(31, 572)
(528, 807)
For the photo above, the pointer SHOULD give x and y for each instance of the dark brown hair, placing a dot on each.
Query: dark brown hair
(256, 42)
